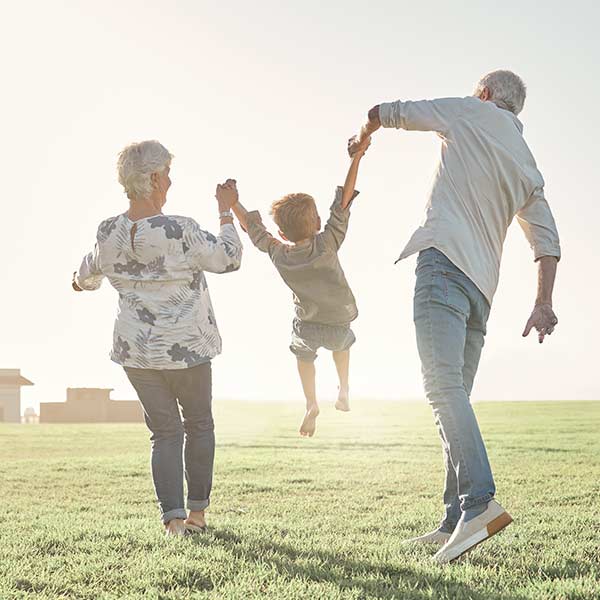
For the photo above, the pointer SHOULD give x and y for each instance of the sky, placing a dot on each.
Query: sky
(268, 93)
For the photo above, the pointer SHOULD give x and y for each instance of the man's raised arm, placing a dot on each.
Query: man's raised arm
(420, 115)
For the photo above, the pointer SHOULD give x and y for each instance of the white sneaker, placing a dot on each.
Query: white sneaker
(433, 537)
(469, 534)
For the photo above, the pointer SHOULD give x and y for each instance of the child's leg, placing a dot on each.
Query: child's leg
(342, 364)
(308, 377)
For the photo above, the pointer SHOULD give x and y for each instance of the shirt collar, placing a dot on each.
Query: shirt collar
(517, 122)
(514, 117)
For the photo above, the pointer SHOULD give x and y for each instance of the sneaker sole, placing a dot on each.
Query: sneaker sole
(493, 527)
(427, 542)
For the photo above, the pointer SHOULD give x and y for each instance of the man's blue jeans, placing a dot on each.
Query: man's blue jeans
(450, 315)
(161, 393)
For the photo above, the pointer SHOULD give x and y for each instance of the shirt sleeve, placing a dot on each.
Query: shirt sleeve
(537, 222)
(220, 254)
(259, 235)
(422, 115)
(89, 276)
(337, 225)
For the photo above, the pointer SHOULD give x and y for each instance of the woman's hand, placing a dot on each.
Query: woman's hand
(227, 195)
(74, 283)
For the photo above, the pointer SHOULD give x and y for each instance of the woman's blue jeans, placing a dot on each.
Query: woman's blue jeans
(450, 315)
(161, 393)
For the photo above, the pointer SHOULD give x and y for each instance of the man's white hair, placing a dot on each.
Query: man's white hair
(507, 90)
(136, 164)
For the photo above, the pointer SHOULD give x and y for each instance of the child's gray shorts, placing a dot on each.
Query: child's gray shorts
(308, 337)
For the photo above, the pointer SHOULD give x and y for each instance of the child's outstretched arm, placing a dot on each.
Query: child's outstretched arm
(350, 182)
(339, 215)
(252, 224)
(238, 210)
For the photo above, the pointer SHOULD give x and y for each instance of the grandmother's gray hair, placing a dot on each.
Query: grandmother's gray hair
(507, 90)
(136, 164)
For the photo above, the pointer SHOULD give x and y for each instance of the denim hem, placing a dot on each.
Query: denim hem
(471, 502)
(176, 513)
(197, 504)
(448, 525)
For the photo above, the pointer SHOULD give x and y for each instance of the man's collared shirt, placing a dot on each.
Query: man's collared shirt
(486, 176)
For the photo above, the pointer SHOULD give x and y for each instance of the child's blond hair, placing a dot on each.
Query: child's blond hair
(296, 216)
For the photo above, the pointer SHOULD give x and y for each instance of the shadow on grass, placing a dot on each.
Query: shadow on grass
(309, 445)
(542, 449)
(383, 580)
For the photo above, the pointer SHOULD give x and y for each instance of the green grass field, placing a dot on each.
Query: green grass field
(295, 518)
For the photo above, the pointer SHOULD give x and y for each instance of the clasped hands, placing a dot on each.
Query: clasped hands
(227, 195)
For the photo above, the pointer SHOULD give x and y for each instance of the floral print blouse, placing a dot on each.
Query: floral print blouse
(157, 264)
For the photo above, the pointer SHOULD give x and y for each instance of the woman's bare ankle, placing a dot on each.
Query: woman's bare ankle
(175, 527)
(197, 517)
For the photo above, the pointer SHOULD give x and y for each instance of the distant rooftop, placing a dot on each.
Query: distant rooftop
(13, 377)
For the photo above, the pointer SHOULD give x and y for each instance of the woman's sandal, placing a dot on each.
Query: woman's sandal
(192, 527)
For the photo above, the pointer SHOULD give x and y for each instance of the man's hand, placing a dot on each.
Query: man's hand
(543, 319)
(372, 125)
(227, 194)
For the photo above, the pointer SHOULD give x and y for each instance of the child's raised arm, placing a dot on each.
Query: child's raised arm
(350, 182)
(252, 224)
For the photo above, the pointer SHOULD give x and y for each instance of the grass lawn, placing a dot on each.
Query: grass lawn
(295, 518)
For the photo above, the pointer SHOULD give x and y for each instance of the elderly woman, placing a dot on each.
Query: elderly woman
(165, 333)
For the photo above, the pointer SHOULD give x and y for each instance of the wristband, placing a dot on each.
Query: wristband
(226, 214)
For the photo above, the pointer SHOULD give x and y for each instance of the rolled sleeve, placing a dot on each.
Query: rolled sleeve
(220, 254)
(89, 275)
(422, 115)
(539, 227)
(259, 235)
(336, 227)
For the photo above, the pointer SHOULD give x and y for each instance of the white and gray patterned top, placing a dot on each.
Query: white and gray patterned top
(165, 319)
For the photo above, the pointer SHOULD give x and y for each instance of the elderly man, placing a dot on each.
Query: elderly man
(486, 176)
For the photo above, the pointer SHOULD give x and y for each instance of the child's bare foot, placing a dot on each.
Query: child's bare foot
(343, 401)
(309, 424)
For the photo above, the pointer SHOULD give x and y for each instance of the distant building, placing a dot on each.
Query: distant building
(11, 382)
(30, 416)
(91, 405)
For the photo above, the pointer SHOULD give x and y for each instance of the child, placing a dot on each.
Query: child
(309, 265)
